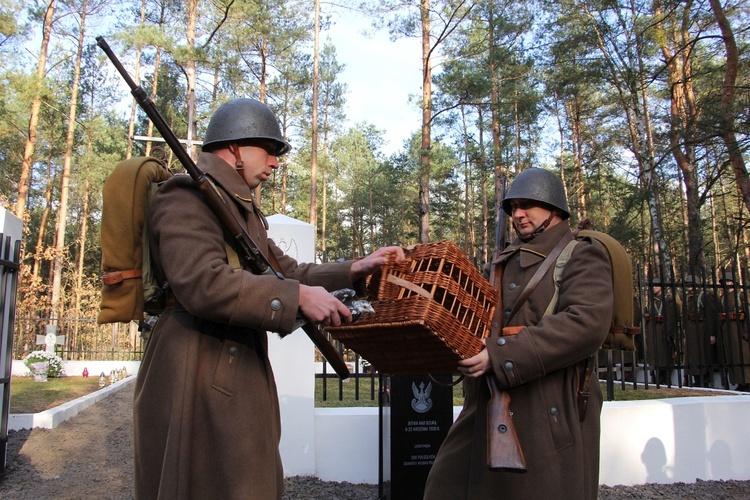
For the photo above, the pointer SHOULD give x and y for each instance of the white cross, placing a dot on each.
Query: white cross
(50, 339)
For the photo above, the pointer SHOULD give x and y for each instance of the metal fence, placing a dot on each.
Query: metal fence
(79, 339)
(694, 332)
(9, 264)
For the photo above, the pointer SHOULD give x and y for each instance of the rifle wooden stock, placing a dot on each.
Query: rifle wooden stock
(503, 449)
(247, 250)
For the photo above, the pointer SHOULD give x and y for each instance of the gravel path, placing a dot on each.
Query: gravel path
(90, 456)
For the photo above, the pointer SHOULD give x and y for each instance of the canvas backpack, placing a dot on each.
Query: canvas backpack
(131, 291)
(129, 287)
(622, 331)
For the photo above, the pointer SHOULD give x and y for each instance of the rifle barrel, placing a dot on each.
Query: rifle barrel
(248, 251)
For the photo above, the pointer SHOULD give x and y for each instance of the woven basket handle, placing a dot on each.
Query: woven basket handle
(409, 286)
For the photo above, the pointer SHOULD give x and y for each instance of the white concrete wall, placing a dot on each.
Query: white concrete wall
(656, 441)
(293, 356)
(75, 368)
(675, 440)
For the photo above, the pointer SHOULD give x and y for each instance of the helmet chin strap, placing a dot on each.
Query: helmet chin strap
(239, 165)
(540, 229)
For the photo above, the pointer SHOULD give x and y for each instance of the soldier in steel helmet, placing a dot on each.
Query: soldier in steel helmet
(661, 332)
(734, 337)
(542, 360)
(701, 325)
(207, 421)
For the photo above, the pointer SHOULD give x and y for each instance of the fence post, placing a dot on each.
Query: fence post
(11, 229)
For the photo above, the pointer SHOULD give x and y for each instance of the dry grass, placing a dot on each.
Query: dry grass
(27, 396)
(631, 393)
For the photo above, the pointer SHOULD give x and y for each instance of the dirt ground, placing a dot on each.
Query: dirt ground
(91, 456)
(87, 456)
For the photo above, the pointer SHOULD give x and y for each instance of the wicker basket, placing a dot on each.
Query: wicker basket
(430, 311)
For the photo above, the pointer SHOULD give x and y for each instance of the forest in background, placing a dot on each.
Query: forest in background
(643, 108)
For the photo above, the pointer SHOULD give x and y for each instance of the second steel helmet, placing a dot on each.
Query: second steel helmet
(538, 184)
(728, 277)
(691, 280)
(243, 119)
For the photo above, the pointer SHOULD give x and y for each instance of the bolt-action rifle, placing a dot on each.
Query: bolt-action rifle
(503, 449)
(248, 251)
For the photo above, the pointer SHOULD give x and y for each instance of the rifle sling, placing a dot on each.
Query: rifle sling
(530, 286)
(586, 365)
(584, 385)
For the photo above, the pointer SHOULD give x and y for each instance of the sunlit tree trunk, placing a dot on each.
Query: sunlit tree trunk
(136, 77)
(36, 104)
(424, 156)
(155, 82)
(191, 72)
(727, 102)
(683, 115)
(313, 215)
(62, 211)
(39, 248)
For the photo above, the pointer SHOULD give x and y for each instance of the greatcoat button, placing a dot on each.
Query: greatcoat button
(508, 366)
(553, 411)
(506, 314)
(501, 341)
(233, 351)
(512, 286)
(275, 304)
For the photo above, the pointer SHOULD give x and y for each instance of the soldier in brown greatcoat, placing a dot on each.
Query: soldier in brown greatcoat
(734, 341)
(661, 333)
(701, 321)
(542, 366)
(206, 410)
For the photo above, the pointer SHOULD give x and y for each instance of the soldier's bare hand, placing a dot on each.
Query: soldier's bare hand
(375, 261)
(321, 308)
(476, 366)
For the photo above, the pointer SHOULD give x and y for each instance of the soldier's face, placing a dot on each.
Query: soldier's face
(528, 216)
(260, 162)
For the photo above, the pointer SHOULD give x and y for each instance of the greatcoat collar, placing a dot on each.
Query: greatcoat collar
(536, 250)
(231, 181)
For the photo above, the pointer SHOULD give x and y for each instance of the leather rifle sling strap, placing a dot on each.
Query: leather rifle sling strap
(586, 365)
(584, 385)
(531, 285)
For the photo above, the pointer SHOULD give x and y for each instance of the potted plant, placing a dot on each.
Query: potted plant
(36, 361)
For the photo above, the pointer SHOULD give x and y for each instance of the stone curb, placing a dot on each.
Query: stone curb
(49, 419)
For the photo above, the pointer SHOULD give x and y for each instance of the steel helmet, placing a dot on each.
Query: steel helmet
(538, 184)
(242, 119)
(692, 280)
(728, 276)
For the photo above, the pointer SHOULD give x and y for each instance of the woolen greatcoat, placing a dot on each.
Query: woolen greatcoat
(701, 325)
(661, 331)
(206, 410)
(540, 369)
(734, 340)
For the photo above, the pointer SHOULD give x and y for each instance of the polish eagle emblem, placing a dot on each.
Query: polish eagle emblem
(421, 402)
